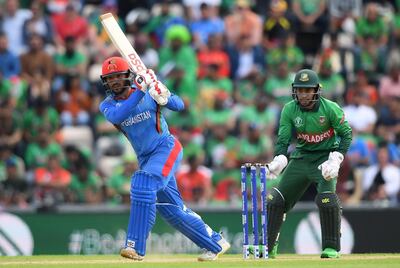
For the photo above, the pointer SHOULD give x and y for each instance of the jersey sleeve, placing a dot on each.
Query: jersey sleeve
(284, 133)
(118, 113)
(341, 127)
(175, 103)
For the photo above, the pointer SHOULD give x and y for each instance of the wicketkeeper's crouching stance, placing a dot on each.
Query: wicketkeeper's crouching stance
(133, 106)
(323, 138)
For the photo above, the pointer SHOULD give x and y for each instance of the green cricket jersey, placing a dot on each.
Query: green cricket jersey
(322, 129)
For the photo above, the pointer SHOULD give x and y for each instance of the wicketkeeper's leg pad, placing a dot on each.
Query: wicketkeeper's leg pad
(191, 225)
(275, 215)
(330, 215)
(144, 188)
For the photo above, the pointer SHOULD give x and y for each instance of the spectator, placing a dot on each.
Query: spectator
(194, 7)
(278, 84)
(261, 114)
(70, 63)
(39, 24)
(109, 141)
(73, 103)
(344, 14)
(219, 145)
(245, 58)
(255, 147)
(277, 24)
(382, 181)
(286, 51)
(361, 117)
(39, 87)
(395, 33)
(38, 152)
(194, 181)
(246, 89)
(36, 59)
(13, 92)
(205, 26)
(389, 85)
(388, 126)
(40, 114)
(51, 181)
(333, 83)
(85, 185)
(311, 23)
(10, 131)
(190, 135)
(14, 189)
(119, 184)
(159, 24)
(147, 54)
(220, 112)
(213, 54)
(341, 57)
(6, 153)
(13, 22)
(5, 89)
(102, 45)
(371, 59)
(178, 62)
(349, 186)
(70, 24)
(358, 155)
(243, 22)
(212, 84)
(371, 28)
(10, 65)
(361, 85)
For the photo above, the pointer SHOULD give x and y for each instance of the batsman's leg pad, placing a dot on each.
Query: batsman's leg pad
(275, 215)
(142, 216)
(330, 215)
(191, 225)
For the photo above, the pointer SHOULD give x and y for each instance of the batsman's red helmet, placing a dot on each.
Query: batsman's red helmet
(114, 65)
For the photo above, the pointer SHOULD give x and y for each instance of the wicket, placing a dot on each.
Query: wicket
(253, 169)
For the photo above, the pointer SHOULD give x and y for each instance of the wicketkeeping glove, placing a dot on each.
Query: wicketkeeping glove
(144, 78)
(277, 165)
(159, 92)
(330, 168)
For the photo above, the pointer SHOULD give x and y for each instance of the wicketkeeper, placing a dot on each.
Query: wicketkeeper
(323, 138)
(134, 106)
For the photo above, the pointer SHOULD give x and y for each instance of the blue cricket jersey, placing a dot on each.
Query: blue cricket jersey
(139, 118)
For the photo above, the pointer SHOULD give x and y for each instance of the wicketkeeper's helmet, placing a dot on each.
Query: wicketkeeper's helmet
(306, 78)
(113, 66)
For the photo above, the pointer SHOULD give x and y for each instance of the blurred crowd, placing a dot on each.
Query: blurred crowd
(232, 62)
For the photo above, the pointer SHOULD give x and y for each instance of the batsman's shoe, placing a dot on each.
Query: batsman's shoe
(330, 253)
(211, 256)
(131, 253)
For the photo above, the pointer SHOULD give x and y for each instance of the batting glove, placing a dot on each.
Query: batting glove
(330, 168)
(277, 165)
(159, 92)
(144, 78)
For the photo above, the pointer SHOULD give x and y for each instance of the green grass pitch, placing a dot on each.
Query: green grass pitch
(188, 261)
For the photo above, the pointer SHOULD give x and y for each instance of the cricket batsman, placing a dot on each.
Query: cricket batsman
(323, 138)
(134, 105)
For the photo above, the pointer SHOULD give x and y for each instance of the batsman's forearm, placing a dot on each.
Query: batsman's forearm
(175, 103)
(117, 114)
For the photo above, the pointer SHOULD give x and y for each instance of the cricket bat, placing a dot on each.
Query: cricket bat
(121, 42)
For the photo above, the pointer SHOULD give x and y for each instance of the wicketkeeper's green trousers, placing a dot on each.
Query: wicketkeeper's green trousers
(300, 173)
